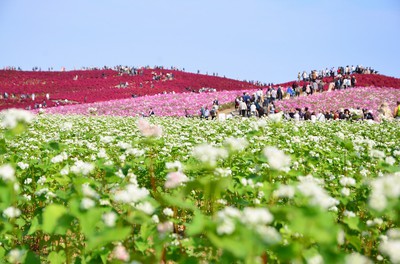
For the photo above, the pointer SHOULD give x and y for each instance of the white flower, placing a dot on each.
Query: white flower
(284, 191)
(134, 152)
(102, 154)
(165, 227)
(390, 160)
(276, 118)
(88, 191)
(393, 233)
(131, 194)
(391, 248)
(168, 212)
(109, 219)
(66, 126)
(222, 201)
(155, 219)
(59, 158)
(145, 207)
(318, 196)
(22, 165)
(209, 154)
(174, 179)
(383, 188)
(41, 191)
(356, 258)
(7, 172)
(243, 181)
(11, 117)
(28, 181)
(104, 202)
(349, 213)
(81, 167)
(11, 212)
(15, 256)
(341, 236)
(236, 144)
(27, 197)
(87, 203)
(256, 216)
(377, 154)
(149, 130)
(106, 139)
(64, 171)
(223, 172)
(347, 181)
(124, 145)
(41, 180)
(345, 191)
(226, 227)
(317, 259)
(176, 165)
(268, 234)
(277, 159)
(340, 135)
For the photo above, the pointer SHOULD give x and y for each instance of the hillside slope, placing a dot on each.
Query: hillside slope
(88, 86)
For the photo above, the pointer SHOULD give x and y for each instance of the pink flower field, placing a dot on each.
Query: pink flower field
(363, 97)
(163, 104)
(175, 104)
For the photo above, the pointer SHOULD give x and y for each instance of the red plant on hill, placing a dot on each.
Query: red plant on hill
(102, 85)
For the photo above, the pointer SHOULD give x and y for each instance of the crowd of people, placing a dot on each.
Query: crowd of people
(334, 72)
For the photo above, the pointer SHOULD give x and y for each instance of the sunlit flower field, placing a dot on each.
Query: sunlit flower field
(109, 189)
(176, 104)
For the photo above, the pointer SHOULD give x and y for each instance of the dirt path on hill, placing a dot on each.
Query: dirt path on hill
(227, 111)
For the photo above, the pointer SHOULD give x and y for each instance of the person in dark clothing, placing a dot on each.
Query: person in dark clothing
(279, 93)
(307, 115)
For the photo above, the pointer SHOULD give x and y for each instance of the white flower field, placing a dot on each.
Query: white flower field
(103, 189)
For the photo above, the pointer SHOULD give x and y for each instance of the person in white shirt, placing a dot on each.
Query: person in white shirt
(253, 109)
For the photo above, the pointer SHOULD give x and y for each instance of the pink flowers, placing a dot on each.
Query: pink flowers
(149, 130)
(162, 104)
(174, 179)
(361, 97)
(120, 253)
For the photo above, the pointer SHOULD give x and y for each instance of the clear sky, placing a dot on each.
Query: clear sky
(265, 40)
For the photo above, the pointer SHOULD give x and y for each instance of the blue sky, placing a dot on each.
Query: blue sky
(269, 41)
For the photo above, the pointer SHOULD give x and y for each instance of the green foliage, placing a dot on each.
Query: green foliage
(94, 190)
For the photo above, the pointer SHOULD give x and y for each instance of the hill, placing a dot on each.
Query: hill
(102, 85)
(88, 86)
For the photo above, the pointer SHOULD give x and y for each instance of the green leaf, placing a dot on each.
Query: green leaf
(354, 241)
(352, 223)
(197, 225)
(178, 200)
(109, 235)
(234, 246)
(89, 220)
(142, 246)
(57, 257)
(51, 215)
(34, 226)
(32, 258)
(2, 253)
(3, 147)
(54, 145)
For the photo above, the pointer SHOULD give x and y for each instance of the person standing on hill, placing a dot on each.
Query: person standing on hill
(396, 113)
(279, 93)
(242, 108)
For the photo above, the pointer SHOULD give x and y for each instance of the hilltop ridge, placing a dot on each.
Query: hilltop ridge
(87, 86)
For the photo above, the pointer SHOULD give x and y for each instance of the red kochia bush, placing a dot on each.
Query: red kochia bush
(100, 85)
